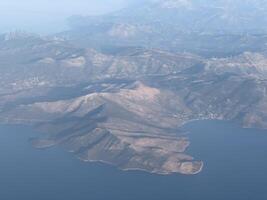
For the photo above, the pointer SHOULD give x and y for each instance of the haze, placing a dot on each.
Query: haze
(48, 16)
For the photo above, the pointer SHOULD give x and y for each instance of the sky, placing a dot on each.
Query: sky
(48, 16)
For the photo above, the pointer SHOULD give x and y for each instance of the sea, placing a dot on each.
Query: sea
(235, 169)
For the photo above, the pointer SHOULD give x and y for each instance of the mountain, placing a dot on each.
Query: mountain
(125, 107)
(209, 28)
(116, 127)
(49, 62)
(118, 88)
(191, 15)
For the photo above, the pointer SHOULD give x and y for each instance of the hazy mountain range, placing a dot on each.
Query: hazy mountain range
(221, 16)
(117, 88)
(204, 27)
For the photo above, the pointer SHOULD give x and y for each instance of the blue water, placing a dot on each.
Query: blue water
(235, 169)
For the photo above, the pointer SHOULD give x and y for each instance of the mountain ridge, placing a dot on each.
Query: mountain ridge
(118, 88)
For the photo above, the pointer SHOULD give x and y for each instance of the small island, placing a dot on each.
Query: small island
(160, 155)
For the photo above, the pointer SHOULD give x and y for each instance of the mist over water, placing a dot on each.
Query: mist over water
(49, 16)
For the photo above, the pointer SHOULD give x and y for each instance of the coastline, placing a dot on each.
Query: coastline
(164, 173)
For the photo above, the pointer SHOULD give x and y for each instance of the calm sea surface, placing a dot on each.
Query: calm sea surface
(235, 169)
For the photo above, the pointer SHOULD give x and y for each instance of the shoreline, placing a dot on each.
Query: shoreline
(144, 170)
